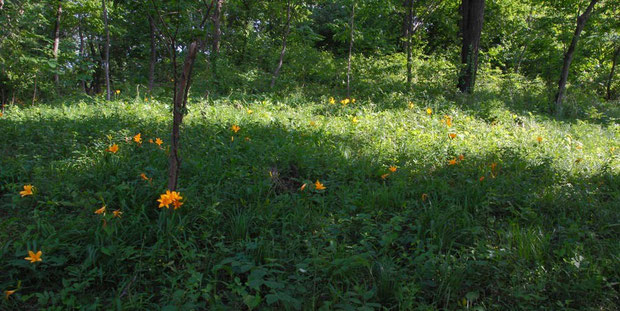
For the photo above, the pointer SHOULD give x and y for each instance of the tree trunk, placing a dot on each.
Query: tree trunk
(95, 86)
(568, 57)
(217, 30)
(56, 43)
(106, 58)
(180, 102)
(350, 52)
(472, 14)
(153, 56)
(284, 37)
(34, 94)
(611, 73)
(409, 33)
(82, 54)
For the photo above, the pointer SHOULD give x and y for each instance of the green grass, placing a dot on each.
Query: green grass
(539, 232)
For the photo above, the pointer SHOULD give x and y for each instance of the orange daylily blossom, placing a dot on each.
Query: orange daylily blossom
(151, 140)
(332, 101)
(250, 111)
(392, 168)
(448, 120)
(8, 293)
(429, 111)
(461, 157)
(158, 141)
(27, 191)
(424, 196)
(144, 177)
(235, 128)
(101, 210)
(112, 149)
(452, 135)
(319, 186)
(384, 176)
(117, 213)
(481, 178)
(452, 161)
(138, 138)
(170, 197)
(345, 101)
(32, 257)
(302, 187)
(539, 139)
(118, 92)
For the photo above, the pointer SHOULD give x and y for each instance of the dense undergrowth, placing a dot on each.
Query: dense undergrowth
(516, 211)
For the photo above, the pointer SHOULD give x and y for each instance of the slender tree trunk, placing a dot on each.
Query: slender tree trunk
(611, 73)
(34, 94)
(409, 41)
(56, 43)
(350, 51)
(95, 86)
(568, 57)
(106, 58)
(217, 30)
(472, 13)
(180, 102)
(284, 37)
(153, 55)
(82, 53)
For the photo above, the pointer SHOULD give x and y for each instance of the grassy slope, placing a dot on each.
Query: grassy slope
(540, 231)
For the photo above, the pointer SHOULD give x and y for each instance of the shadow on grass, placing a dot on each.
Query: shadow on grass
(427, 235)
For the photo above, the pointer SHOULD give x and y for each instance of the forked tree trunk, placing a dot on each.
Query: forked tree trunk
(409, 33)
(472, 14)
(611, 73)
(350, 51)
(153, 56)
(180, 102)
(106, 58)
(284, 37)
(568, 57)
(56, 43)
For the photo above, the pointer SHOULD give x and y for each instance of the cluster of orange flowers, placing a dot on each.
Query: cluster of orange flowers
(170, 197)
(343, 102)
(392, 169)
(317, 186)
(456, 160)
(138, 140)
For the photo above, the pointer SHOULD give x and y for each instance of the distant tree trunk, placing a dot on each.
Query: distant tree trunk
(153, 55)
(34, 94)
(611, 73)
(95, 86)
(472, 14)
(106, 58)
(81, 35)
(56, 43)
(350, 52)
(409, 32)
(284, 37)
(568, 57)
(217, 34)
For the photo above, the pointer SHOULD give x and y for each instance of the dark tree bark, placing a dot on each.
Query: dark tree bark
(350, 51)
(82, 54)
(181, 87)
(217, 35)
(568, 57)
(153, 55)
(472, 14)
(106, 58)
(409, 33)
(95, 86)
(180, 103)
(611, 73)
(287, 29)
(56, 43)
